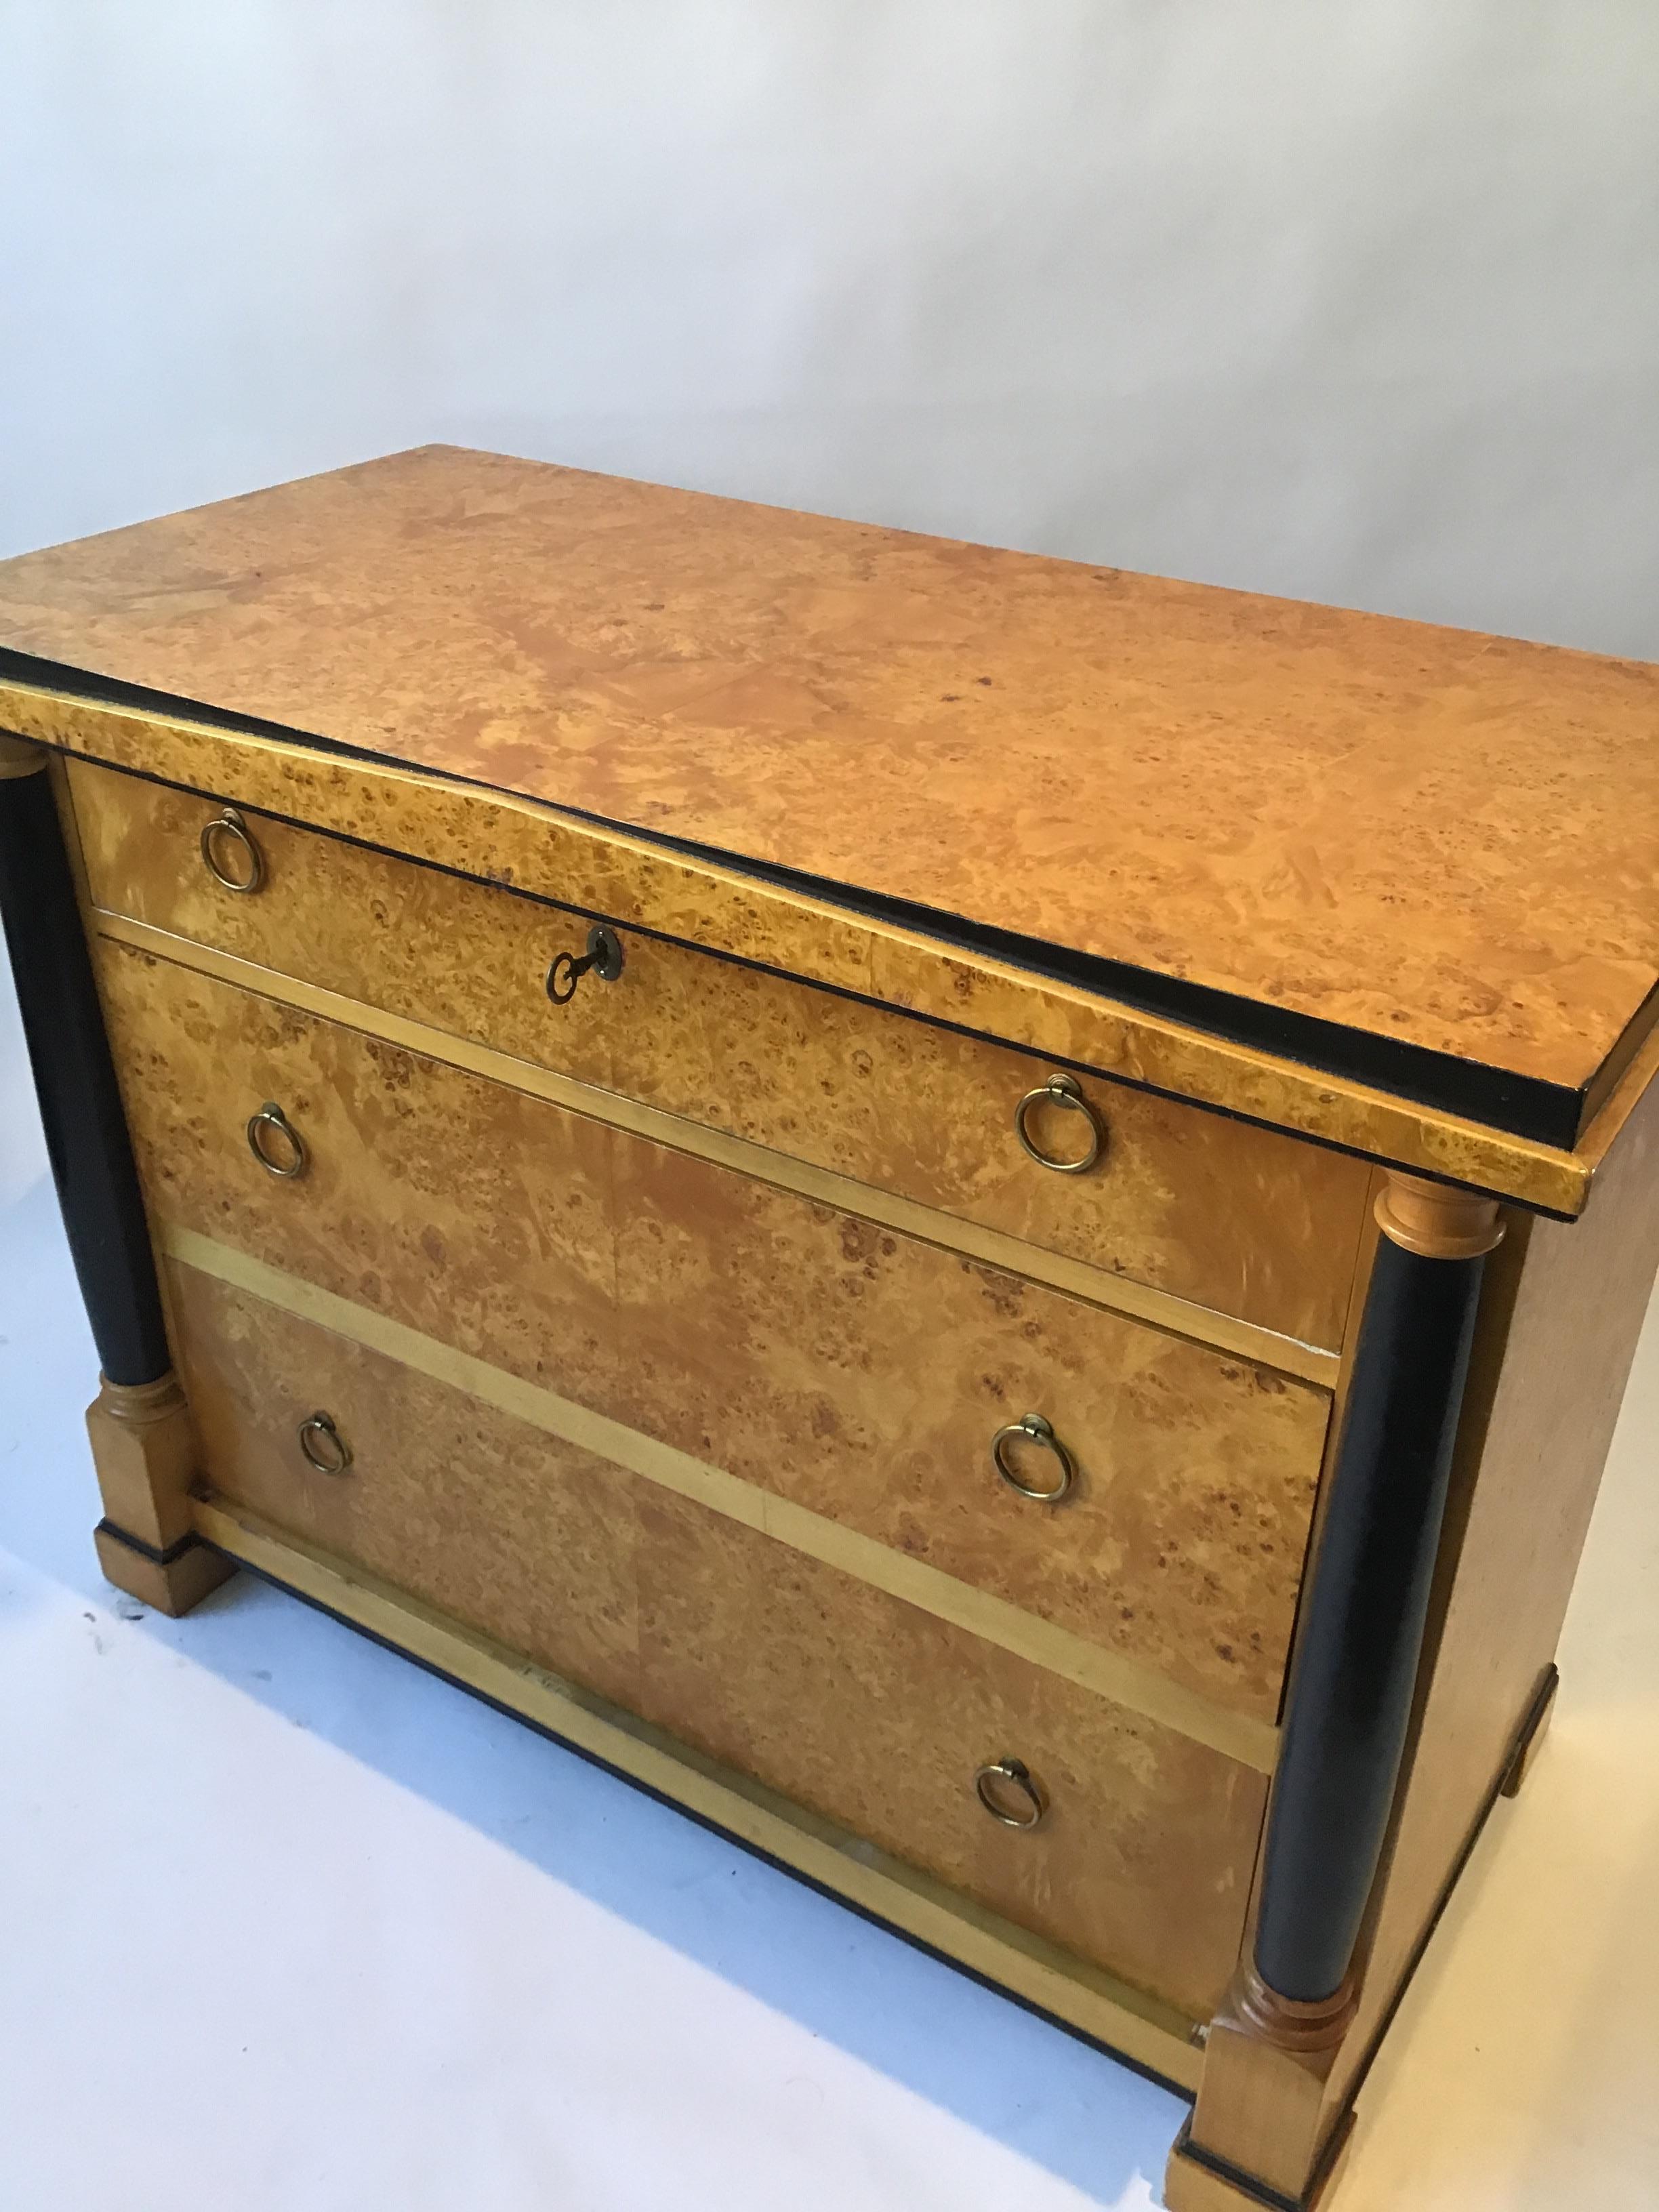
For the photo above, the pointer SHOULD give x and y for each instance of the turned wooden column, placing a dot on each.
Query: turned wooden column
(1254, 2135)
(140, 1427)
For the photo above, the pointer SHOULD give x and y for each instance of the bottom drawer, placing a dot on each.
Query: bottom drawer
(864, 1709)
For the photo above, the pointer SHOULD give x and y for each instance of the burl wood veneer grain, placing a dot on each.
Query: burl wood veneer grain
(461, 956)
(864, 1376)
(1097, 2004)
(857, 1372)
(500, 1524)
(1210, 1209)
(858, 1706)
(1350, 817)
(1237, 1219)
(502, 838)
(472, 1212)
(878, 1716)
(914, 1581)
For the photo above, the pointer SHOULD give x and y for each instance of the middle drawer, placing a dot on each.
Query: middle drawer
(857, 1372)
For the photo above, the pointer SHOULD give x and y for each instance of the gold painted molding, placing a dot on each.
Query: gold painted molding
(1151, 2033)
(1118, 1294)
(1252, 1742)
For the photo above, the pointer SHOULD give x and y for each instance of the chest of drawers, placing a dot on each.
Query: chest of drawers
(981, 1219)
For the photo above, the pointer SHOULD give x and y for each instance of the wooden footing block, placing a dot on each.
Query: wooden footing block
(144, 1449)
(171, 1581)
(144, 1446)
(1194, 2181)
(1262, 2132)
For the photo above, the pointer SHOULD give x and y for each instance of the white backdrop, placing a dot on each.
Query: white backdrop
(1353, 302)
(1358, 304)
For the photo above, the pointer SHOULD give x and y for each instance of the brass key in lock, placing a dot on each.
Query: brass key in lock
(604, 956)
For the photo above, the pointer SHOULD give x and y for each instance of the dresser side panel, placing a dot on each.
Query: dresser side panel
(1555, 1368)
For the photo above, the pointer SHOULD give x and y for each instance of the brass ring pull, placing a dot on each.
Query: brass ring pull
(272, 1117)
(1061, 1090)
(1010, 1793)
(604, 956)
(1038, 1431)
(324, 1447)
(230, 825)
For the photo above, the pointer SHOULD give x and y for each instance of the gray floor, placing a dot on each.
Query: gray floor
(291, 1925)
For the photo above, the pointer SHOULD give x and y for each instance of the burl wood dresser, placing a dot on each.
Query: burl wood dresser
(982, 1217)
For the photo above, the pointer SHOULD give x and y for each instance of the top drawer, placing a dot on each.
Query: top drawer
(1237, 1219)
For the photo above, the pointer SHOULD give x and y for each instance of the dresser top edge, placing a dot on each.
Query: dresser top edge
(531, 849)
(1429, 838)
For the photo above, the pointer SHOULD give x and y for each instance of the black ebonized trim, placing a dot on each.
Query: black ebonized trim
(703, 1820)
(1359, 1646)
(188, 1542)
(86, 1131)
(1499, 1098)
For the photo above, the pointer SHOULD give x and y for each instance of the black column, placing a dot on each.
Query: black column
(1362, 1634)
(87, 1138)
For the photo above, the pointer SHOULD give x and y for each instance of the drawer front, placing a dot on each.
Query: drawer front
(855, 1704)
(858, 1373)
(1241, 1219)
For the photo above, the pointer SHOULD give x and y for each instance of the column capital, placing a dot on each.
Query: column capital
(1437, 1220)
(20, 756)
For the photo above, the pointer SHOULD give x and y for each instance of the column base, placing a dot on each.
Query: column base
(144, 1446)
(1260, 2132)
(170, 1581)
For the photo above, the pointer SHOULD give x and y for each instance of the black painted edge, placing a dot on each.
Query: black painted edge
(188, 1542)
(703, 1820)
(1517, 1105)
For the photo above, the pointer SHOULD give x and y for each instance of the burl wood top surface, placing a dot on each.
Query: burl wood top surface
(1424, 836)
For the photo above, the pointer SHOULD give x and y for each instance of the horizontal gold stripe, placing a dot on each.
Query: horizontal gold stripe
(1150, 2034)
(1141, 1689)
(927, 1224)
